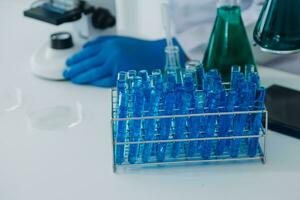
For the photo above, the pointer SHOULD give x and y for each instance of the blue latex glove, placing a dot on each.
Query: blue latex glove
(101, 59)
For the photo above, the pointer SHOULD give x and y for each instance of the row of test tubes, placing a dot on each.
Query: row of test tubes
(189, 91)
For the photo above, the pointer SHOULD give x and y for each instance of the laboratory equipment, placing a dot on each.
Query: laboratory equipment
(131, 74)
(122, 107)
(254, 127)
(146, 87)
(150, 125)
(59, 117)
(211, 104)
(193, 67)
(11, 98)
(228, 44)
(277, 29)
(169, 106)
(158, 82)
(173, 61)
(48, 61)
(171, 51)
(196, 123)
(201, 77)
(189, 86)
(138, 101)
(283, 104)
(183, 104)
(54, 115)
(225, 123)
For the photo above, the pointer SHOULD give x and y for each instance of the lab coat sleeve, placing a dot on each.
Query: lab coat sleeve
(193, 22)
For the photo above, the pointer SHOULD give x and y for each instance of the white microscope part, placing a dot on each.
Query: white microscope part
(49, 63)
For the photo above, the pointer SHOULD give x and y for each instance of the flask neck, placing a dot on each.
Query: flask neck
(222, 3)
(173, 62)
(172, 58)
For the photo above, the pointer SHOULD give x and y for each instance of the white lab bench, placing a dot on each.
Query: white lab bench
(76, 164)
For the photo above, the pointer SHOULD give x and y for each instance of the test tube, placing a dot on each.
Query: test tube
(157, 79)
(209, 85)
(200, 77)
(146, 84)
(206, 147)
(173, 61)
(257, 122)
(135, 126)
(150, 124)
(249, 69)
(235, 74)
(121, 82)
(196, 123)
(214, 73)
(188, 83)
(254, 78)
(191, 67)
(122, 112)
(240, 120)
(171, 80)
(168, 107)
(183, 102)
(144, 75)
(226, 121)
(131, 74)
(158, 83)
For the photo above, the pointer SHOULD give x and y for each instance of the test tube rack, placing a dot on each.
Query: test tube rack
(182, 159)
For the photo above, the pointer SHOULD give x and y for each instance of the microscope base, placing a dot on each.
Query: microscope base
(50, 63)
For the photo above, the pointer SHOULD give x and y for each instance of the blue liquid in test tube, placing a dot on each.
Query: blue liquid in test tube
(211, 103)
(135, 126)
(196, 123)
(150, 125)
(122, 109)
(200, 77)
(226, 121)
(182, 108)
(191, 67)
(235, 76)
(146, 85)
(188, 84)
(131, 74)
(257, 122)
(240, 120)
(168, 106)
(249, 70)
(158, 83)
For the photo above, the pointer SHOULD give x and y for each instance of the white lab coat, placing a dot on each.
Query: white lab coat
(194, 19)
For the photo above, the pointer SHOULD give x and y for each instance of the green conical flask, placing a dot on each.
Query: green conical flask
(278, 27)
(228, 44)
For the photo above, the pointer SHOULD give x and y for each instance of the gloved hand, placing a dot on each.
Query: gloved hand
(101, 59)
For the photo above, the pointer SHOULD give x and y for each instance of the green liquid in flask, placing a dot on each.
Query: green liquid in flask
(228, 43)
(278, 27)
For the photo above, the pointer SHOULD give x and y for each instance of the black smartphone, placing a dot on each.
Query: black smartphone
(283, 105)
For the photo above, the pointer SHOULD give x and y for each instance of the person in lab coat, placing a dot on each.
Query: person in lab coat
(100, 60)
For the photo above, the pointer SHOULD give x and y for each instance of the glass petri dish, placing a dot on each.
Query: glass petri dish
(10, 99)
(56, 117)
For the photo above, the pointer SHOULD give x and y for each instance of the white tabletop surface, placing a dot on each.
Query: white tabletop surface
(75, 164)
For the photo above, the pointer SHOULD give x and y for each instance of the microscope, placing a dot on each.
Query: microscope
(48, 61)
